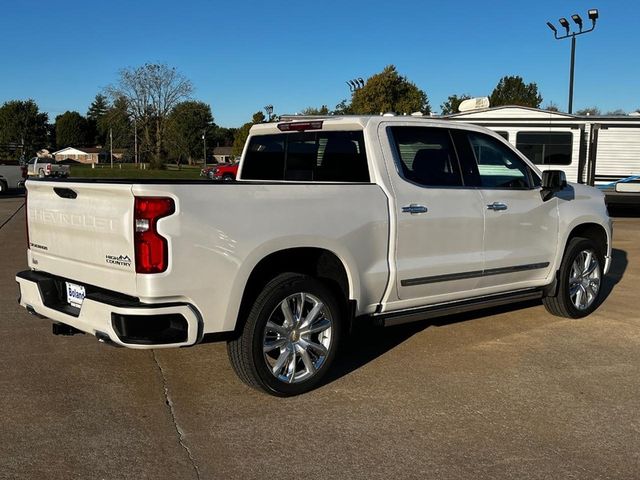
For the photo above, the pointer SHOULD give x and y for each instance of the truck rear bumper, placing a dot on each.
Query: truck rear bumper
(112, 317)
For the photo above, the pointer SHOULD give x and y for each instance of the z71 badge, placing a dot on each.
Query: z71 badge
(120, 260)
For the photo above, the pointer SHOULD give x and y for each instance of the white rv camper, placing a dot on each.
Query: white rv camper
(597, 150)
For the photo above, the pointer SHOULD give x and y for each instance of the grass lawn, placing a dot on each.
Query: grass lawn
(131, 171)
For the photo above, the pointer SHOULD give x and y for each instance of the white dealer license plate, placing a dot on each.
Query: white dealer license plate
(75, 294)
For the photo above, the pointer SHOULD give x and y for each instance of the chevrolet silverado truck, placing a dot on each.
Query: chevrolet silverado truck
(44, 167)
(376, 219)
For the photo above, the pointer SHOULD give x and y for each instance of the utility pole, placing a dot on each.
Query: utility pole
(111, 148)
(204, 151)
(135, 139)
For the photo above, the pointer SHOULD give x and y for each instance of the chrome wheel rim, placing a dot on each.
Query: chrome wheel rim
(297, 338)
(584, 279)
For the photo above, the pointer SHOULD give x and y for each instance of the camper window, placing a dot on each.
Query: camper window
(546, 148)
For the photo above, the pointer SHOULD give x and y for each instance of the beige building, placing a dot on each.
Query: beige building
(222, 154)
(87, 154)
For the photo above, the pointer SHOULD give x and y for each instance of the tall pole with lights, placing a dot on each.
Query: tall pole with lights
(269, 110)
(355, 84)
(204, 148)
(593, 16)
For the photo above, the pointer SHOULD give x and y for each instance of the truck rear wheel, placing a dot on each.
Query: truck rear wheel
(579, 280)
(290, 338)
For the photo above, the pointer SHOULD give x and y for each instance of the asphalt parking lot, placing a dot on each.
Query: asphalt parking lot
(502, 393)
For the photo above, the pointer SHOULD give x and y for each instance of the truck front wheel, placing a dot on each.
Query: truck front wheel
(290, 337)
(579, 280)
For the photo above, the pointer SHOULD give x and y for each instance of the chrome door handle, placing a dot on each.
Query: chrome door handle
(414, 208)
(496, 206)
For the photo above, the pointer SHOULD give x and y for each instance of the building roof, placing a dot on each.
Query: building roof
(86, 150)
(511, 111)
(222, 150)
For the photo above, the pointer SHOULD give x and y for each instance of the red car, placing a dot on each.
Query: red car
(222, 171)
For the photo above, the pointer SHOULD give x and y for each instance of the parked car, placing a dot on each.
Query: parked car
(11, 177)
(381, 219)
(222, 171)
(44, 167)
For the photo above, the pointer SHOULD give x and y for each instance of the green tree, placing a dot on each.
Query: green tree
(243, 133)
(618, 112)
(71, 130)
(323, 110)
(388, 91)
(552, 107)
(116, 124)
(186, 124)
(97, 110)
(453, 102)
(151, 92)
(589, 111)
(342, 108)
(23, 129)
(223, 137)
(511, 90)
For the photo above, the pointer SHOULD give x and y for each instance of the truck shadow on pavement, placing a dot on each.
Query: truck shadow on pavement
(368, 342)
(13, 194)
(619, 262)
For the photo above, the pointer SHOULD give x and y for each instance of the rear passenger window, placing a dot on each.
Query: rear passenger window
(307, 157)
(426, 156)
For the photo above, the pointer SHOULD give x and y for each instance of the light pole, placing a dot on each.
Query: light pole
(355, 84)
(593, 16)
(204, 151)
(135, 139)
(269, 110)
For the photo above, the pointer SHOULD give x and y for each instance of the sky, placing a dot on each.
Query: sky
(244, 55)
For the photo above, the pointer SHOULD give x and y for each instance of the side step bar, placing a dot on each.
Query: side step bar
(387, 319)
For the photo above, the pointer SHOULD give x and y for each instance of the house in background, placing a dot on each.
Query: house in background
(88, 154)
(222, 154)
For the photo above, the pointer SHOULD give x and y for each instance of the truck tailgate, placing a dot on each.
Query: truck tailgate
(83, 232)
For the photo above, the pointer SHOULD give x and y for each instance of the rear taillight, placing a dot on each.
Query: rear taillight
(48, 167)
(152, 252)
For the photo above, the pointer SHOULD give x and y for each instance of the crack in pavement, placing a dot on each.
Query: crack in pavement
(169, 403)
(12, 215)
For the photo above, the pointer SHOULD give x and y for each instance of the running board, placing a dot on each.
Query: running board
(387, 319)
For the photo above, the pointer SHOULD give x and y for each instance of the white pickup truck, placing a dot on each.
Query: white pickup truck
(46, 167)
(11, 177)
(380, 219)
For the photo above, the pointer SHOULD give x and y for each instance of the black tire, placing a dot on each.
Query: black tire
(246, 352)
(561, 304)
(41, 173)
(227, 177)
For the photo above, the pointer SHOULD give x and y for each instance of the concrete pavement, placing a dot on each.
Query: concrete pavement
(503, 393)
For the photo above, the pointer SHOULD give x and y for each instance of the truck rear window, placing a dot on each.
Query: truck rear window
(307, 157)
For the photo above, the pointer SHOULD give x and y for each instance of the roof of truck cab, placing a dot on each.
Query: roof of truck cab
(341, 122)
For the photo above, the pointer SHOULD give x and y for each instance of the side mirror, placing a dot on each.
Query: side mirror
(552, 181)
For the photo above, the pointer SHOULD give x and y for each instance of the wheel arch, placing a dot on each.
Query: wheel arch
(585, 229)
(318, 262)
(592, 231)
